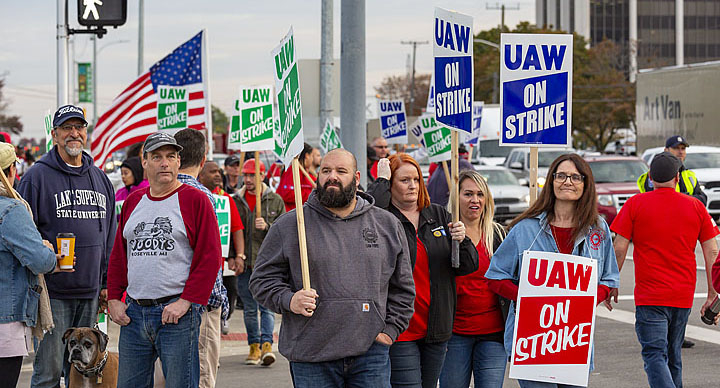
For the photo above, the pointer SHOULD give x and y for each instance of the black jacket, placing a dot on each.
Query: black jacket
(443, 294)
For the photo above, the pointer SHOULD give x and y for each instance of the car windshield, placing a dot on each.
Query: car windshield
(499, 177)
(545, 158)
(490, 149)
(615, 171)
(702, 160)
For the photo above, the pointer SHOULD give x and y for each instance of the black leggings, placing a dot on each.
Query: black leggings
(11, 371)
(230, 283)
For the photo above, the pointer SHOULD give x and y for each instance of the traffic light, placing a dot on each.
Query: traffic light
(102, 12)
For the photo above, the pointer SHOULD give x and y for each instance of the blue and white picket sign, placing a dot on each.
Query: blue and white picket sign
(393, 123)
(453, 70)
(536, 89)
(417, 130)
(473, 137)
(430, 108)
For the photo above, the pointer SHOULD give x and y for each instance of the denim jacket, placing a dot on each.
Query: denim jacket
(22, 257)
(534, 234)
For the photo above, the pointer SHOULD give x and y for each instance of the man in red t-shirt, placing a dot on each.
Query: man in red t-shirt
(664, 226)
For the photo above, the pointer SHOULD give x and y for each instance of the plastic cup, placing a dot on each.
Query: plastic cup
(66, 248)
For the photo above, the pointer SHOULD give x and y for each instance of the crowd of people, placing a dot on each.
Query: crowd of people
(386, 306)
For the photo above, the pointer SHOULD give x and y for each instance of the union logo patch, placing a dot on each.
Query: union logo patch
(596, 237)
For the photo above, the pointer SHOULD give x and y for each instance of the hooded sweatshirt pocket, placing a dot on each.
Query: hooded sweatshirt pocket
(338, 328)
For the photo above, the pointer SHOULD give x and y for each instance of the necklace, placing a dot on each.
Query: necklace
(554, 234)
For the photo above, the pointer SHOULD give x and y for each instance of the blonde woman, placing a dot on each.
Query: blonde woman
(476, 346)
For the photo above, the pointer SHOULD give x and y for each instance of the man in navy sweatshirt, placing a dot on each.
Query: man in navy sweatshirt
(68, 194)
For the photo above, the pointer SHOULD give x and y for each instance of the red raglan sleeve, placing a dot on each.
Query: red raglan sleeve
(202, 228)
(117, 265)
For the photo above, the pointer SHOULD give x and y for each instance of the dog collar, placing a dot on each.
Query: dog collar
(96, 370)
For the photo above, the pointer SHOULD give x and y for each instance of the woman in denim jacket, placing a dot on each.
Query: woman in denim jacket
(564, 219)
(23, 255)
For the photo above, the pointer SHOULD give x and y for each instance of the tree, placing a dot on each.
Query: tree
(220, 120)
(603, 99)
(396, 87)
(8, 123)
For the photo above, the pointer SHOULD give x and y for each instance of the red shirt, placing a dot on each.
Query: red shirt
(563, 239)
(665, 227)
(478, 311)
(286, 188)
(250, 199)
(235, 220)
(421, 275)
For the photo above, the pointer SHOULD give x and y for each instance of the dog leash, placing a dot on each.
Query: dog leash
(97, 370)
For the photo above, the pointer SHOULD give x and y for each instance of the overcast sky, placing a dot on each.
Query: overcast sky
(241, 35)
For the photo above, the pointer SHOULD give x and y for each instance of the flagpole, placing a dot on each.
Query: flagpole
(206, 89)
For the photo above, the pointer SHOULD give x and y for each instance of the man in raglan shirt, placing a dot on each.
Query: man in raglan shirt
(167, 257)
(68, 194)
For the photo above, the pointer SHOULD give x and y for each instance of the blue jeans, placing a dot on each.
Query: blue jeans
(467, 356)
(540, 384)
(661, 331)
(51, 357)
(416, 363)
(371, 369)
(250, 315)
(145, 339)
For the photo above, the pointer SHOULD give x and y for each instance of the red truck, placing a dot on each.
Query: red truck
(615, 181)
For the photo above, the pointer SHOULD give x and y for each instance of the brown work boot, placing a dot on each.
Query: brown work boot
(267, 355)
(254, 357)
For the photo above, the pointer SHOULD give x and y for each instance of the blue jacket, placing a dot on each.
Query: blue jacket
(534, 234)
(22, 257)
(79, 200)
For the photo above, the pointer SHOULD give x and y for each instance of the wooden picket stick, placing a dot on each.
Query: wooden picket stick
(258, 187)
(307, 175)
(454, 195)
(242, 158)
(533, 174)
(447, 177)
(304, 267)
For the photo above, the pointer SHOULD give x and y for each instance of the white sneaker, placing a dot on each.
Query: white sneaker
(225, 328)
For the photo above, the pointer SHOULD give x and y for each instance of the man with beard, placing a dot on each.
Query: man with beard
(338, 332)
(68, 194)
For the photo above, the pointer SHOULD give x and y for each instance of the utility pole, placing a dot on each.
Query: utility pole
(414, 43)
(94, 83)
(141, 28)
(63, 97)
(353, 131)
(326, 62)
(502, 9)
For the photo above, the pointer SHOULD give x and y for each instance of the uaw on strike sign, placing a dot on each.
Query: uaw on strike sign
(555, 319)
(536, 91)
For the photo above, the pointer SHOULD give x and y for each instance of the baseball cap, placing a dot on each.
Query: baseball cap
(67, 112)
(232, 159)
(160, 139)
(371, 154)
(664, 167)
(249, 167)
(7, 155)
(672, 141)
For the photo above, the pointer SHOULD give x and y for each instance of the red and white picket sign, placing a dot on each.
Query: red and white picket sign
(555, 319)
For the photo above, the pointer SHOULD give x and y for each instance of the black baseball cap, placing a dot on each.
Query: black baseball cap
(664, 167)
(160, 139)
(672, 141)
(67, 112)
(232, 159)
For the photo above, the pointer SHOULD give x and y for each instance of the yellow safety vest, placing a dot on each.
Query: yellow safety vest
(687, 181)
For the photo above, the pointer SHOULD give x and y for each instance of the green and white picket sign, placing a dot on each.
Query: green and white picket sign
(277, 149)
(172, 111)
(329, 140)
(48, 132)
(118, 207)
(102, 322)
(222, 211)
(437, 139)
(254, 131)
(287, 90)
(233, 142)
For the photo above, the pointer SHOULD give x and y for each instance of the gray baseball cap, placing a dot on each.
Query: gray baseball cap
(160, 139)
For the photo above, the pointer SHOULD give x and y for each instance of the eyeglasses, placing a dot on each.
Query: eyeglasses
(561, 177)
(70, 127)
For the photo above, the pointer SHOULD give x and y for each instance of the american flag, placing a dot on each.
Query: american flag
(132, 116)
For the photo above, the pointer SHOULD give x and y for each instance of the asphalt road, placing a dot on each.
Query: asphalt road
(617, 353)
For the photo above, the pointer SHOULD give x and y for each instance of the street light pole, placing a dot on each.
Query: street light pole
(141, 27)
(97, 51)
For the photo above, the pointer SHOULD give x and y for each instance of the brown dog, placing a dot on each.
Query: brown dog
(92, 364)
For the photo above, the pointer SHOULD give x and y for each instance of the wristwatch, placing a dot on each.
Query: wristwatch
(240, 256)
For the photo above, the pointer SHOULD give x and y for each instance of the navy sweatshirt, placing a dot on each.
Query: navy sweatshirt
(79, 200)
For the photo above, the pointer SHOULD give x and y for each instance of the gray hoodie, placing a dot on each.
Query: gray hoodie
(360, 268)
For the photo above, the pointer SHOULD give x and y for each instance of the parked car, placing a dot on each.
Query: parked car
(518, 161)
(511, 198)
(489, 153)
(615, 181)
(704, 161)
